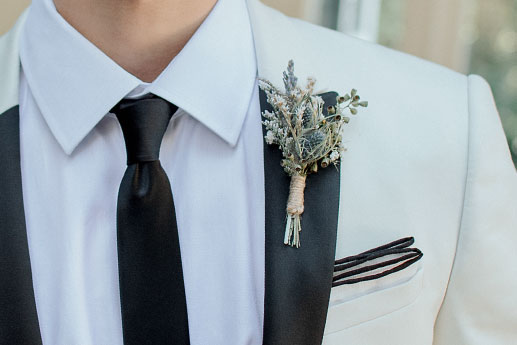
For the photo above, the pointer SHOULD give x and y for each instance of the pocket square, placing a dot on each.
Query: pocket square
(394, 256)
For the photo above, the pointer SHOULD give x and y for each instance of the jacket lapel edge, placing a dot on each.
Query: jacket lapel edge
(18, 316)
(298, 280)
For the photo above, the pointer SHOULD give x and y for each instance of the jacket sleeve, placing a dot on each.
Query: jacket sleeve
(480, 305)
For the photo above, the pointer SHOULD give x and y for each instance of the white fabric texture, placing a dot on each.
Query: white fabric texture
(427, 158)
(73, 159)
(481, 304)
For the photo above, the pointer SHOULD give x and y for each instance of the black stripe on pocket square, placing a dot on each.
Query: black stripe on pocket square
(394, 256)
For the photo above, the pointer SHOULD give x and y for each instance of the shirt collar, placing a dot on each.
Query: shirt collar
(75, 84)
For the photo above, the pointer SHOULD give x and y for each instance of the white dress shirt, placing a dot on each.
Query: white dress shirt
(73, 159)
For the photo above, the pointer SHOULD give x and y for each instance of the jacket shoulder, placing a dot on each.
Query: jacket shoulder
(10, 65)
(413, 103)
(361, 54)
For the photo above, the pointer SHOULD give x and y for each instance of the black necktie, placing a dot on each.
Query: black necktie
(152, 291)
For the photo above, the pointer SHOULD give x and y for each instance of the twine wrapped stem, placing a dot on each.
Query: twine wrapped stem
(294, 211)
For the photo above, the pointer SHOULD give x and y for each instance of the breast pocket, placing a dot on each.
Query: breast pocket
(351, 305)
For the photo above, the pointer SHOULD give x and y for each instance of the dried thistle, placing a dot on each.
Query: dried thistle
(307, 137)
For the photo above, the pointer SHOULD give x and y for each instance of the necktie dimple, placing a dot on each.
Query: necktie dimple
(152, 291)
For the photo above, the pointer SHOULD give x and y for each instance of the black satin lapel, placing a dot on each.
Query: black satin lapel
(18, 317)
(298, 280)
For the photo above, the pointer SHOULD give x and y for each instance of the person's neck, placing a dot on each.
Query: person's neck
(142, 36)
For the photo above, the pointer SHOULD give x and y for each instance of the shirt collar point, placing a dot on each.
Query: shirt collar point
(68, 143)
(69, 148)
(229, 133)
(71, 132)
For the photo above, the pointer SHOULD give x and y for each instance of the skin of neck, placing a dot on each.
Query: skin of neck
(142, 36)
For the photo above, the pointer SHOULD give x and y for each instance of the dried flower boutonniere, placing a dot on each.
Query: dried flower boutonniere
(307, 137)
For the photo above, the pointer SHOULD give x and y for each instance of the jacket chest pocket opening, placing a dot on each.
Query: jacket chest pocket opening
(351, 305)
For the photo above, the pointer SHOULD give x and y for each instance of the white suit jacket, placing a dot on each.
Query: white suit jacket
(428, 158)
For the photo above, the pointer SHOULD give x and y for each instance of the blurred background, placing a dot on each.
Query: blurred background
(469, 36)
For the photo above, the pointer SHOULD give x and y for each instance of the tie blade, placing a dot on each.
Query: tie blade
(152, 291)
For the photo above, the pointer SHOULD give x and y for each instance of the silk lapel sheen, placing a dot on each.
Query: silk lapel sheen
(298, 281)
(18, 317)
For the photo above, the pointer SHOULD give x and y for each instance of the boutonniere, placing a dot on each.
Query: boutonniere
(308, 138)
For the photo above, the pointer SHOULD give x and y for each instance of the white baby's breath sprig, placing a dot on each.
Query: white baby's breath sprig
(308, 134)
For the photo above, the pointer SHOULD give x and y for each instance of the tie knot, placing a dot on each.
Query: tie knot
(143, 122)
